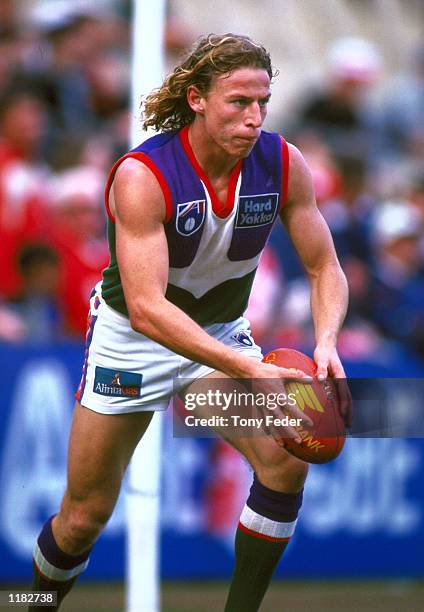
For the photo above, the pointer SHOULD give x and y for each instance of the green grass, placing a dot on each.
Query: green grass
(283, 596)
(290, 596)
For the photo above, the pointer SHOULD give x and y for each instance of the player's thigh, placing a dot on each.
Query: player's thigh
(100, 448)
(275, 467)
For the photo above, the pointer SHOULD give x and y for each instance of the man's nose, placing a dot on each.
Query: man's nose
(254, 118)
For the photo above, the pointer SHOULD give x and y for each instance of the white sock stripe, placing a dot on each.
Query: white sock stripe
(256, 522)
(54, 573)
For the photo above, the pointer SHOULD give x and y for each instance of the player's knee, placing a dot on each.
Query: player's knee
(281, 471)
(85, 522)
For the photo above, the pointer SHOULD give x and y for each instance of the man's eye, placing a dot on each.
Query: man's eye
(263, 102)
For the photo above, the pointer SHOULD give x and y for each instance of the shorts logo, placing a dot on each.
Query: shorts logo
(242, 338)
(190, 217)
(256, 210)
(117, 384)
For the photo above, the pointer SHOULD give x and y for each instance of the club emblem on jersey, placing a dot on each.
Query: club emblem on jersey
(242, 337)
(190, 217)
(256, 210)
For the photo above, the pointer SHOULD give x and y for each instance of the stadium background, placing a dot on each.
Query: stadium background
(355, 108)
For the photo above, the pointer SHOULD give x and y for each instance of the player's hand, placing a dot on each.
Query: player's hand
(329, 365)
(269, 379)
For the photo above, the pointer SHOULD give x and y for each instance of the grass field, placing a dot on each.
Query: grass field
(302, 596)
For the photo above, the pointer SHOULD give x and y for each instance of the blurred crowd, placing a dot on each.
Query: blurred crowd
(366, 155)
(64, 119)
(64, 81)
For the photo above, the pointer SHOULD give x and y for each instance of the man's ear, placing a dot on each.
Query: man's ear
(195, 99)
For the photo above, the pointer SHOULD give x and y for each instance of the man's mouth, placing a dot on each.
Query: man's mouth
(247, 139)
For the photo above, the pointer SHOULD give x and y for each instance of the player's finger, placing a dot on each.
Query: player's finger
(279, 433)
(322, 369)
(337, 370)
(279, 430)
(295, 374)
(280, 441)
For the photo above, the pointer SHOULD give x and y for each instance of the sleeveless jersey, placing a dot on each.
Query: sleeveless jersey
(214, 247)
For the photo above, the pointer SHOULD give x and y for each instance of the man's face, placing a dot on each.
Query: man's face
(235, 108)
(23, 123)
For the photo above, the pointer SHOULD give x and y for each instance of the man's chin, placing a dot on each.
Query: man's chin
(243, 150)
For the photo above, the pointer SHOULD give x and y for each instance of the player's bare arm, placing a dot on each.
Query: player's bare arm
(142, 252)
(329, 291)
(313, 242)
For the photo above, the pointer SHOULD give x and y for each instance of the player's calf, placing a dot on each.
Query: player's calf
(54, 569)
(266, 525)
(77, 527)
(267, 521)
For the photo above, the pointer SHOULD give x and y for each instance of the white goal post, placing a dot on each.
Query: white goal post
(143, 483)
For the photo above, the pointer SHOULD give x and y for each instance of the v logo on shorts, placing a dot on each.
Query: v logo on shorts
(242, 337)
(117, 383)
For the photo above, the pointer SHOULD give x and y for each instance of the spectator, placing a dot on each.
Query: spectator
(348, 213)
(63, 80)
(326, 177)
(37, 303)
(402, 115)
(22, 179)
(264, 304)
(78, 235)
(339, 112)
(9, 57)
(397, 296)
(8, 17)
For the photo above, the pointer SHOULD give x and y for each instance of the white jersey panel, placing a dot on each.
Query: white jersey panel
(211, 266)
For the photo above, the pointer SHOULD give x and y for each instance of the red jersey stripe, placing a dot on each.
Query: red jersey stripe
(222, 210)
(144, 159)
(285, 181)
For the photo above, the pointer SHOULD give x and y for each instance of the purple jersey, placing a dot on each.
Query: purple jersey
(214, 247)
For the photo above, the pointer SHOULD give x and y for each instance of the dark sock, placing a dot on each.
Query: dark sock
(53, 569)
(266, 524)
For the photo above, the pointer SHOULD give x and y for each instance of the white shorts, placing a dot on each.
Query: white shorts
(125, 371)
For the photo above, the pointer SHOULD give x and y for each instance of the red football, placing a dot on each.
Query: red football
(324, 440)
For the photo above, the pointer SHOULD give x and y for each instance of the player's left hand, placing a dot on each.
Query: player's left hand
(329, 365)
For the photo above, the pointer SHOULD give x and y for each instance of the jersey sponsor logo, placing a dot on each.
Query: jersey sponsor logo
(115, 383)
(256, 210)
(190, 217)
(243, 338)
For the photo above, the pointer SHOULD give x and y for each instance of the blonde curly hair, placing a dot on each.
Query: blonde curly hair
(166, 108)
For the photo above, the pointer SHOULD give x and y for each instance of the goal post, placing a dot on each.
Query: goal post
(143, 482)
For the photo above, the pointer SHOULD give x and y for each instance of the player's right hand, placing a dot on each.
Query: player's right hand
(269, 379)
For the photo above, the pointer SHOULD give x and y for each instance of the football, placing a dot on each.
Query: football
(319, 400)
